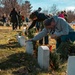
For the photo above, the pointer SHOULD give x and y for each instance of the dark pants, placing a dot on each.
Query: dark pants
(14, 25)
(37, 25)
(45, 40)
(19, 25)
(64, 38)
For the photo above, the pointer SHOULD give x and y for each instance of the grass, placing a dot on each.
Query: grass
(15, 61)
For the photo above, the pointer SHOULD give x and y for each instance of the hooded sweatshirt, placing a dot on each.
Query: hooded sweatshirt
(61, 28)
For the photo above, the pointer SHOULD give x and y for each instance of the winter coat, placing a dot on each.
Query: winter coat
(40, 18)
(14, 16)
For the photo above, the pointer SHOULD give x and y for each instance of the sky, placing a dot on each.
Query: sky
(46, 4)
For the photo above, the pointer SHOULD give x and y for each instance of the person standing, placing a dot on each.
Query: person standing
(65, 15)
(61, 14)
(14, 18)
(19, 20)
(4, 19)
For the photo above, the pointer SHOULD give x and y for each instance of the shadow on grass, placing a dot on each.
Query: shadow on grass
(26, 64)
(10, 45)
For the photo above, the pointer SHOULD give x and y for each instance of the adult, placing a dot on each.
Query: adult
(61, 14)
(38, 23)
(58, 29)
(65, 15)
(14, 18)
(19, 20)
(39, 9)
(38, 17)
(4, 19)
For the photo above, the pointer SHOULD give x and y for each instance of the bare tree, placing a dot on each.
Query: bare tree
(53, 9)
(45, 11)
(25, 8)
(71, 16)
(20, 1)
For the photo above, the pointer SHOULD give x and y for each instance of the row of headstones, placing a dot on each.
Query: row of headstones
(43, 56)
(43, 52)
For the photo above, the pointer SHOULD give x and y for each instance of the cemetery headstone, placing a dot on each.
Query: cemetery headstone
(43, 57)
(71, 65)
(21, 40)
(29, 47)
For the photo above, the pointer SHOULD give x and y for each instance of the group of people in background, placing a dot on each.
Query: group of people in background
(15, 18)
(63, 14)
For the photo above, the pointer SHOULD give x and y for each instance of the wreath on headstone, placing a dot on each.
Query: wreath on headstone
(31, 33)
(54, 60)
(60, 55)
(65, 49)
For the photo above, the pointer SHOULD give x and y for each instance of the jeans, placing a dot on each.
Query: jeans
(64, 38)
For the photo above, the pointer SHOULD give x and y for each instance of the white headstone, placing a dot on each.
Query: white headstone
(71, 65)
(29, 47)
(18, 38)
(21, 40)
(43, 57)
